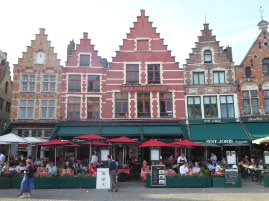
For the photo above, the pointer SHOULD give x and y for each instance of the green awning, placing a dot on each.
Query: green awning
(72, 131)
(218, 133)
(168, 130)
(257, 130)
(120, 131)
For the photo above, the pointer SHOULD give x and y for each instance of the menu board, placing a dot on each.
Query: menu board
(158, 177)
(266, 157)
(231, 157)
(104, 154)
(154, 154)
(102, 179)
(231, 176)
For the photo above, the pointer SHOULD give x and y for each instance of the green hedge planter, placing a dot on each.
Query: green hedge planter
(184, 182)
(219, 182)
(5, 182)
(266, 179)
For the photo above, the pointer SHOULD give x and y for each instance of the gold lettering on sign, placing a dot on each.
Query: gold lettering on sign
(255, 119)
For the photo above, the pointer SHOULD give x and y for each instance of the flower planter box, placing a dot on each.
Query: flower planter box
(5, 182)
(219, 182)
(266, 179)
(184, 182)
(45, 183)
(85, 182)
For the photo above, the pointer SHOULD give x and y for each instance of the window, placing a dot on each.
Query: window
(74, 83)
(121, 105)
(166, 105)
(1, 103)
(227, 106)
(198, 78)
(6, 87)
(265, 66)
(40, 58)
(248, 71)
(154, 74)
(8, 106)
(26, 109)
(28, 83)
(49, 83)
(207, 56)
(132, 74)
(47, 109)
(84, 60)
(73, 110)
(266, 101)
(219, 77)
(194, 107)
(250, 100)
(210, 107)
(93, 108)
(143, 105)
(93, 83)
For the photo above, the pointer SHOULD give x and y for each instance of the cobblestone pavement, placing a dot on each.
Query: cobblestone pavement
(133, 191)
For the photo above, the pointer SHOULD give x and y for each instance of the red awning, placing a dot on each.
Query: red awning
(89, 137)
(153, 143)
(185, 144)
(53, 143)
(96, 143)
(123, 140)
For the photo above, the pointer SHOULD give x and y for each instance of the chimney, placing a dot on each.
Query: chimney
(70, 48)
(142, 13)
(85, 35)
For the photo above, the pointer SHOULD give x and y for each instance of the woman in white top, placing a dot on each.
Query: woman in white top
(196, 169)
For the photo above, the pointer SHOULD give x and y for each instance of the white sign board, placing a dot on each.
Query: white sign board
(155, 154)
(266, 157)
(231, 158)
(104, 154)
(102, 179)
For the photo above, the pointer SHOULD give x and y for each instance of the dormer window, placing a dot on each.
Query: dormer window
(40, 58)
(207, 56)
(248, 71)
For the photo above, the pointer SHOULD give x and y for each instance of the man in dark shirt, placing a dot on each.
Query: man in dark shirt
(112, 165)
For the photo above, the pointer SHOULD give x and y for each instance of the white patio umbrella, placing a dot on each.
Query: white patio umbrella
(34, 140)
(12, 139)
(261, 140)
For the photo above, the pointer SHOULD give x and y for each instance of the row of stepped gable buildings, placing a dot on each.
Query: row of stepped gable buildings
(142, 93)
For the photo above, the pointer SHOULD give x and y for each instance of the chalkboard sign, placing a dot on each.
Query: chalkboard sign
(231, 176)
(158, 175)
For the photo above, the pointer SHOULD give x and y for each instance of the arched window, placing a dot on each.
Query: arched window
(248, 71)
(207, 56)
(6, 88)
(265, 66)
(40, 57)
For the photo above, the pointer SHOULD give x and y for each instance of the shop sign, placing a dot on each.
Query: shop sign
(255, 119)
(158, 177)
(216, 120)
(102, 179)
(160, 88)
(220, 141)
(231, 176)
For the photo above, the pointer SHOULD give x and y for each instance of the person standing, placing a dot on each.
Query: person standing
(112, 174)
(27, 184)
(181, 160)
(94, 159)
(213, 158)
(2, 158)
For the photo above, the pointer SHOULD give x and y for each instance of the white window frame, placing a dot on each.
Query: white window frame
(48, 106)
(28, 83)
(49, 83)
(26, 109)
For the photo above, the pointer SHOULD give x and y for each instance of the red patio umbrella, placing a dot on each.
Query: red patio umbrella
(89, 137)
(53, 143)
(186, 143)
(96, 143)
(71, 144)
(153, 143)
(123, 140)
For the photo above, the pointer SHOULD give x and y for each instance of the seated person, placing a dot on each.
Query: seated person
(20, 168)
(41, 168)
(252, 166)
(6, 167)
(210, 167)
(190, 164)
(52, 169)
(218, 168)
(184, 170)
(93, 168)
(37, 162)
(68, 169)
(77, 169)
(196, 169)
(145, 167)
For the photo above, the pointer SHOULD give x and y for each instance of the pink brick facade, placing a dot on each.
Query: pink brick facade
(142, 48)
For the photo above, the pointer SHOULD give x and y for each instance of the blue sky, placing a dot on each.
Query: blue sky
(179, 22)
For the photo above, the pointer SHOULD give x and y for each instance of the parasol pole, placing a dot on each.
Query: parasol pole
(55, 155)
(123, 154)
(9, 152)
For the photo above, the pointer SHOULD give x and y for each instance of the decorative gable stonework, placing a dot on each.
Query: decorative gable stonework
(32, 69)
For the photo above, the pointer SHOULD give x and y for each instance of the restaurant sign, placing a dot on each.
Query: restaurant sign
(160, 88)
(220, 141)
(255, 119)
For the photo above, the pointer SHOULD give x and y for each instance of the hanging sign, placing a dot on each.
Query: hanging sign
(158, 177)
